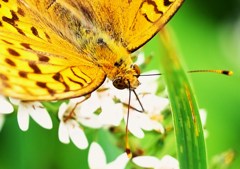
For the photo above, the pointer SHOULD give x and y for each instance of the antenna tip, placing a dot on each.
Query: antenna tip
(129, 153)
(227, 72)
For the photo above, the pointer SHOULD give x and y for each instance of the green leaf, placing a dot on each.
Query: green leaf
(187, 124)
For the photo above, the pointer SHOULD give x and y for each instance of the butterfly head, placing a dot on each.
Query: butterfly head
(128, 79)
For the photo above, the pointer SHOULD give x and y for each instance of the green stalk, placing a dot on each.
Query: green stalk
(191, 149)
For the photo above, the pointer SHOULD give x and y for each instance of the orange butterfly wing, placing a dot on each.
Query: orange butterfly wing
(36, 64)
(53, 49)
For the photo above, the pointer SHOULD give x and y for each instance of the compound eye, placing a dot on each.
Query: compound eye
(119, 83)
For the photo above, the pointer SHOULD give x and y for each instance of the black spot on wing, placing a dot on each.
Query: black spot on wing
(43, 58)
(47, 36)
(22, 74)
(3, 77)
(13, 21)
(155, 7)
(41, 84)
(58, 77)
(20, 12)
(13, 52)
(10, 62)
(9, 43)
(34, 67)
(26, 45)
(167, 2)
(44, 86)
(76, 82)
(34, 31)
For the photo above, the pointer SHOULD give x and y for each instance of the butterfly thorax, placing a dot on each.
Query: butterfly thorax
(116, 62)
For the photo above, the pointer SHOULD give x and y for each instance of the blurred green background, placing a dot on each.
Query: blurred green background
(208, 37)
(207, 34)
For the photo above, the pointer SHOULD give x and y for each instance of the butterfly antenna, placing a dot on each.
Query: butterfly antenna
(223, 72)
(140, 103)
(152, 74)
(127, 146)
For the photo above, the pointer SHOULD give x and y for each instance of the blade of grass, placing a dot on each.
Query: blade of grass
(187, 124)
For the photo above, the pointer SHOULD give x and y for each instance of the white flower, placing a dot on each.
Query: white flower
(203, 117)
(32, 109)
(110, 113)
(69, 128)
(148, 120)
(97, 159)
(83, 113)
(107, 107)
(5, 106)
(138, 121)
(167, 162)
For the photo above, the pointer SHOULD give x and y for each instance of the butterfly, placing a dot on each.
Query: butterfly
(59, 49)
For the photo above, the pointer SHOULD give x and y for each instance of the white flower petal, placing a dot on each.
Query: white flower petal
(90, 105)
(145, 122)
(77, 135)
(135, 123)
(168, 162)
(119, 163)
(146, 161)
(23, 117)
(112, 113)
(122, 95)
(96, 157)
(157, 126)
(203, 116)
(91, 121)
(40, 115)
(62, 109)
(5, 106)
(63, 133)
(14, 101)
(148, 84)
(135, 129)
(154, 104)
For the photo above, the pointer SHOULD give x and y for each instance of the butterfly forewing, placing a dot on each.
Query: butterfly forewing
(130, 22)
(36, 63)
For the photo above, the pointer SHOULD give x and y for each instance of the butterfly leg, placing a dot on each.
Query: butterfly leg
(71, 114)
(133, 108)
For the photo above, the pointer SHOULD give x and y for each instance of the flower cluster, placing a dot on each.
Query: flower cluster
(113, 108)
(105, 108)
